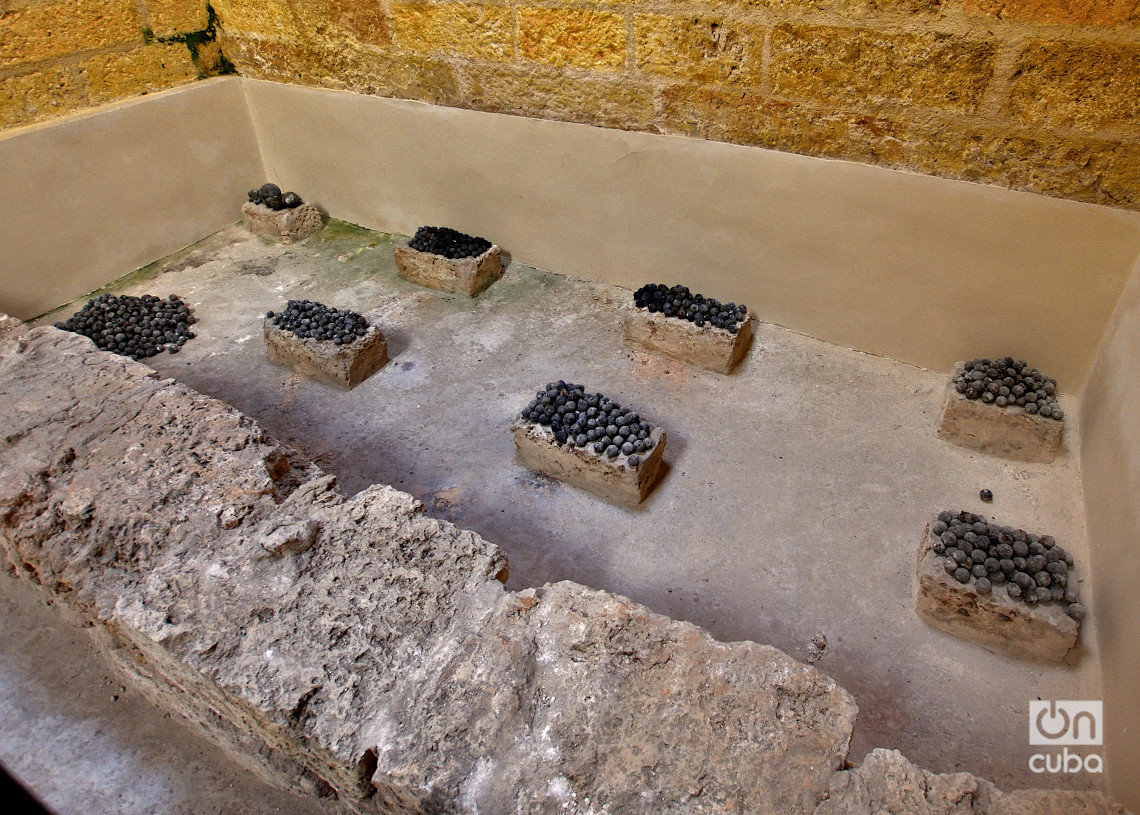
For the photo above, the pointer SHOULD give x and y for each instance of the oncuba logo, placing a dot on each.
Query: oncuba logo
(1061, 724)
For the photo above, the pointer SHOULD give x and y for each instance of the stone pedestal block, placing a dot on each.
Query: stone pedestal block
(1043, 633)
(466, 275)
(1007, 432)
(281, 225)
(707, 346)
(610, 478)
(342, 366)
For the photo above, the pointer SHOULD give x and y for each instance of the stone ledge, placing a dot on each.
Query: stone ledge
(1006, 432)
(611, 479)
(995, 621)
(285, 226)
(342, 366)
(466, 275)
(709, 347)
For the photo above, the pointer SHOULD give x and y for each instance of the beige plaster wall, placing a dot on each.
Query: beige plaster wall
(1110, 467)
(94, 197)
(916, 268)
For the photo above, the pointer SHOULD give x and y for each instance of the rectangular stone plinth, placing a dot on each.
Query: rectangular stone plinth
(281, 225)
(995, 621)
(707, 346)
(342, 366)
(1008, 432)
(466, 275)
(610, 478)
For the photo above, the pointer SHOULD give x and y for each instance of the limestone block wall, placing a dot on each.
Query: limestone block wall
(1036, 95)
(58, 56)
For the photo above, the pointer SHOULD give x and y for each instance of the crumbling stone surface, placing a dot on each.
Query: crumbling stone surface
(887, 782)
(466, 275)
(285, 226)
(1007, 432)
(357, 646)
(707, 346)
(994, 621)
(342, 366)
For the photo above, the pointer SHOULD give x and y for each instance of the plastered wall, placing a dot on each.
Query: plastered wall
(908, 266)
(1110, 467)
(1038, 95)
(92, 198)
(57, 56)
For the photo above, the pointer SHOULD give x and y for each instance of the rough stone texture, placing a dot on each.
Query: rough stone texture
(994, 621)
(1084, 85)
(51, 30)
(342, 366)
(700, 49)
(825, 63)
(337, 20)
(283, 226)
(1066, 12)
(270, 18)
(51, 91)
(347, 66)
(359, 644)
(141, 70)
(887, 782)
(466, 275)
(169, 18)
(1008, 432)
(714, 349)
(486, 32)
(554, 94)
(578, 37)
(612, 479)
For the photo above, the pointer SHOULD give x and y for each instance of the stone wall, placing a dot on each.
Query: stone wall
(1037, 95)
(57, 56)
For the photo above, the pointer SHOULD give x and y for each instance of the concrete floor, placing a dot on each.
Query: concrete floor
(795, 499)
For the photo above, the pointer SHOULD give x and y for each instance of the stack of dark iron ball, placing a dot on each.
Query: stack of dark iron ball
(317, 321)
(135, 327)
(1008, 382)
(678, 301)
(1033, 568)
(582, 420)
(271, 196)
(439, 240)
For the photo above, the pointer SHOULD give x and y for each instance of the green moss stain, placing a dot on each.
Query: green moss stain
(194, 40)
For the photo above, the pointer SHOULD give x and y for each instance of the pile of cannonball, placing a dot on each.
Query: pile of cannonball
(317, 321)
(1033, 568)
(439, 240)
(1008, 382)
(135, 327)
(579, 419)
(678, 301)
(271, 196)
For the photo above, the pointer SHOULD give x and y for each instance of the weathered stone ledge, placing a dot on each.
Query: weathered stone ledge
(359, 648)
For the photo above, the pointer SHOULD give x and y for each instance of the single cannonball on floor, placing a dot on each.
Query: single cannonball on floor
(983, 585)
(291, 200)
(962, 574)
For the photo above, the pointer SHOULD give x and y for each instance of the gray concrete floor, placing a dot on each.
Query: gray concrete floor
(795, 499)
